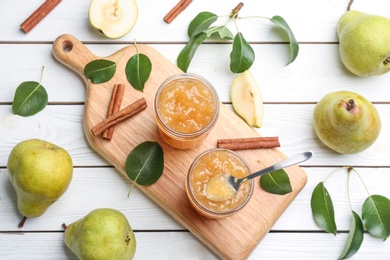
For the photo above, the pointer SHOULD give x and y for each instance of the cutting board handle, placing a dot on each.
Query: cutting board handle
(72, 53)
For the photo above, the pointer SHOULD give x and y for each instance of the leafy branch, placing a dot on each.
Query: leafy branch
(242, 55)
(375, 216)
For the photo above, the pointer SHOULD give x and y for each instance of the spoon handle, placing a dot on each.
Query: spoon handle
(283, 164)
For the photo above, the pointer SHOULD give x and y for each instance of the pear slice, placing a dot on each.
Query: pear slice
(114, 18)
(246, 99)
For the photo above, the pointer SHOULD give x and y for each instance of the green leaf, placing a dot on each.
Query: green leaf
(355, 237)
(100, 71)
(200, 23)
(322, 209)
(187, 53)
(376, 216)
(30, 98)
(145, 163)
(294, 47)
(138, 70)
(242, 55)
(276, 182)
(221, 32)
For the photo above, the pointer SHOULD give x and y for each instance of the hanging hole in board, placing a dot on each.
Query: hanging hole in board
(67, 46)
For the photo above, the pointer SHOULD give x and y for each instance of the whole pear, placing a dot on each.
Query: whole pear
(40, 173)
(102, 234)
(346, 122)
(364, 43)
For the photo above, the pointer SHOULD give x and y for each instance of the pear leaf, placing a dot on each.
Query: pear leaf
(376, 216)
(30, 98)
(276, 182)
(138, 70)
(187, 53)
(145, 163)
(200, 23)
(100, 70)
(294, 46)
(355, 237)
(222, 32)
(322, 209)
(242, 55)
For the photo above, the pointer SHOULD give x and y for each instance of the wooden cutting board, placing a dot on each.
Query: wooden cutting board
(230, 238)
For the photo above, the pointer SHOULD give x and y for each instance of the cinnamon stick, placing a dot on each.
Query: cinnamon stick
(248, 143)
(114, 107)
(119, 116)
(38, 15)
(177, 10)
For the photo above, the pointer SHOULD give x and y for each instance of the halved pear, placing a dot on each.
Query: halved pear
(114, 18)
(247, 100)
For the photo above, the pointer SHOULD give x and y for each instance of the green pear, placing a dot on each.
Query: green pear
(40, 173)
(364, 43)
(102, 234)
(346, 122)
(113, 18)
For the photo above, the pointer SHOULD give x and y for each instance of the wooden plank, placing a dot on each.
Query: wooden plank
(182, 245)
(305, 80)
(62, 124)
(106, 187)
(255, 220)
(315, 22)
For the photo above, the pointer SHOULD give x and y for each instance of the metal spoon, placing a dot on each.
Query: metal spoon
(235, 182)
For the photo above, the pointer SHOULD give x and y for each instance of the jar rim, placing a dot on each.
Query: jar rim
(191, 76)
(210, 211)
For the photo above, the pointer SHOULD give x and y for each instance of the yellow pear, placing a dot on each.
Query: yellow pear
(40, 173)
(113, 18)
(246, 99)
(364, 43)
(346, 122)
(102, 234)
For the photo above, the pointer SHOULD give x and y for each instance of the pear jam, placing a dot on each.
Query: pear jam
(209, 200)
(186, 108)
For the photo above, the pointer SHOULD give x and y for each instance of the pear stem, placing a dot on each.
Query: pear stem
(236, 9)
(116, 11)
(64, 226)
(387, 60)
(21, 223)
(349, 5)
(350, 104)
(348, 187)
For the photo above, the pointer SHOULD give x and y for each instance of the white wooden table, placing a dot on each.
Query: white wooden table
(289, 93)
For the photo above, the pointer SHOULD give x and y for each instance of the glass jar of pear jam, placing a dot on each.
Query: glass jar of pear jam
(186, 108)
(212, 163)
